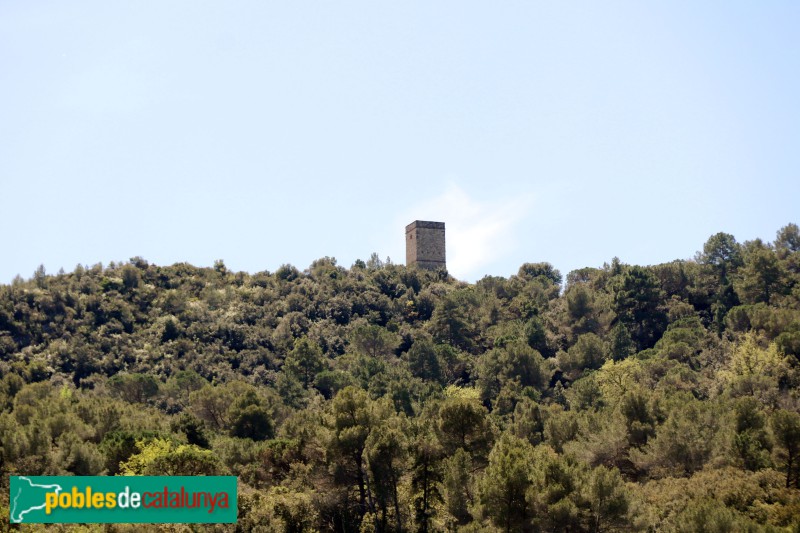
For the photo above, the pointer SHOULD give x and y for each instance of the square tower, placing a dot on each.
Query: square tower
(425, 245)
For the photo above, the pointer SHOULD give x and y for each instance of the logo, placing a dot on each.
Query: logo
(123, 499)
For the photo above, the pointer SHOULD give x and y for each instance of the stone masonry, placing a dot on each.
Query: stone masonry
(425, 245)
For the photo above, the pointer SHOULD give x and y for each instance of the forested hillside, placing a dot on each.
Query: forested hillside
(380, 398)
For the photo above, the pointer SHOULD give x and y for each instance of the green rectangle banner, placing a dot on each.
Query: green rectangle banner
(123, 499)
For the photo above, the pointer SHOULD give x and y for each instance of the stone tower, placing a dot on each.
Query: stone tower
(425, 245)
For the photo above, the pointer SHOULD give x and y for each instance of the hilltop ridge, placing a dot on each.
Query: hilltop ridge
(405, 399)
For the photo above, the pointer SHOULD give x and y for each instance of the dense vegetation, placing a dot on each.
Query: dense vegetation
(380, 398)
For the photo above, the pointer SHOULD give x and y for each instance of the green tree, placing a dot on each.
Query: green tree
(587, 311)
(463, 424)
(788, 238)
(426, 479)
(134, 388)
(531, 271)
(639, 416)
(683, 444)
(423, 361)
(536, 336)
(353, 421)
(181, 384)
(528, 421)
(458, 486)
(374, 341)
(193, 428)
(515, 363)
(385, 449)
(304, 361)
(761, 278)
(171, 330)
(786, 427)
(639, 304)
(505, 484)
(709, 516)
(751, 442)
(450, 324)
(588, 352)
(723, 253)
(279, 509)
(754, 370)
(211, 405)
(609, 499)
(160, 457)
(79, 457)
(621, 343)
(556, 492)
(249, 417)
(251, 421)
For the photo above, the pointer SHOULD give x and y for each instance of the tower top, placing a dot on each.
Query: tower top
(425, 245)
(424, 224)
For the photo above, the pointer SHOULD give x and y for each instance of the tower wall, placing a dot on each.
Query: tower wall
(425, 245)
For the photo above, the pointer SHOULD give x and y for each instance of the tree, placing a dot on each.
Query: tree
(251, 421)
(754, 370)
(505, 484)
(639, 304)
(374, 341)
(423, 361)
(528, 421)
(639, 417)
(587, 353)
(78, 456)
(181, 384)
(751, 442)
(160, 457)
(280, 509)
(193, 428)
(786, 427)
(171, 330)
(385, 449)
(304, 361)
(608, 499)
(531, 271)
(683, 444)
(556, 491)
(118, 446)
(353, 421)
(586, 311)
(761, 277)
(426, 478)
(579, 302)
(723, 253)
(134, 388)
(463, 425)
(621, 343)
(515, 363)
(40, 276)
(712, 516)
(450, 323)
(536, 336)
(788, 238)
(458, 486)
(211, 404)
(560, 426)
(130, 277)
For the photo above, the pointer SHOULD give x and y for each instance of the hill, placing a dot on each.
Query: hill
(381, 398)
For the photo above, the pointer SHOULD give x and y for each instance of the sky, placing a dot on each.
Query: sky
(268, 133)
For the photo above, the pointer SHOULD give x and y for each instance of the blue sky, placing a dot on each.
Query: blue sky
(264, 133)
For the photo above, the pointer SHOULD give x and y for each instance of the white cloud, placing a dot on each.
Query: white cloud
(479, 232)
